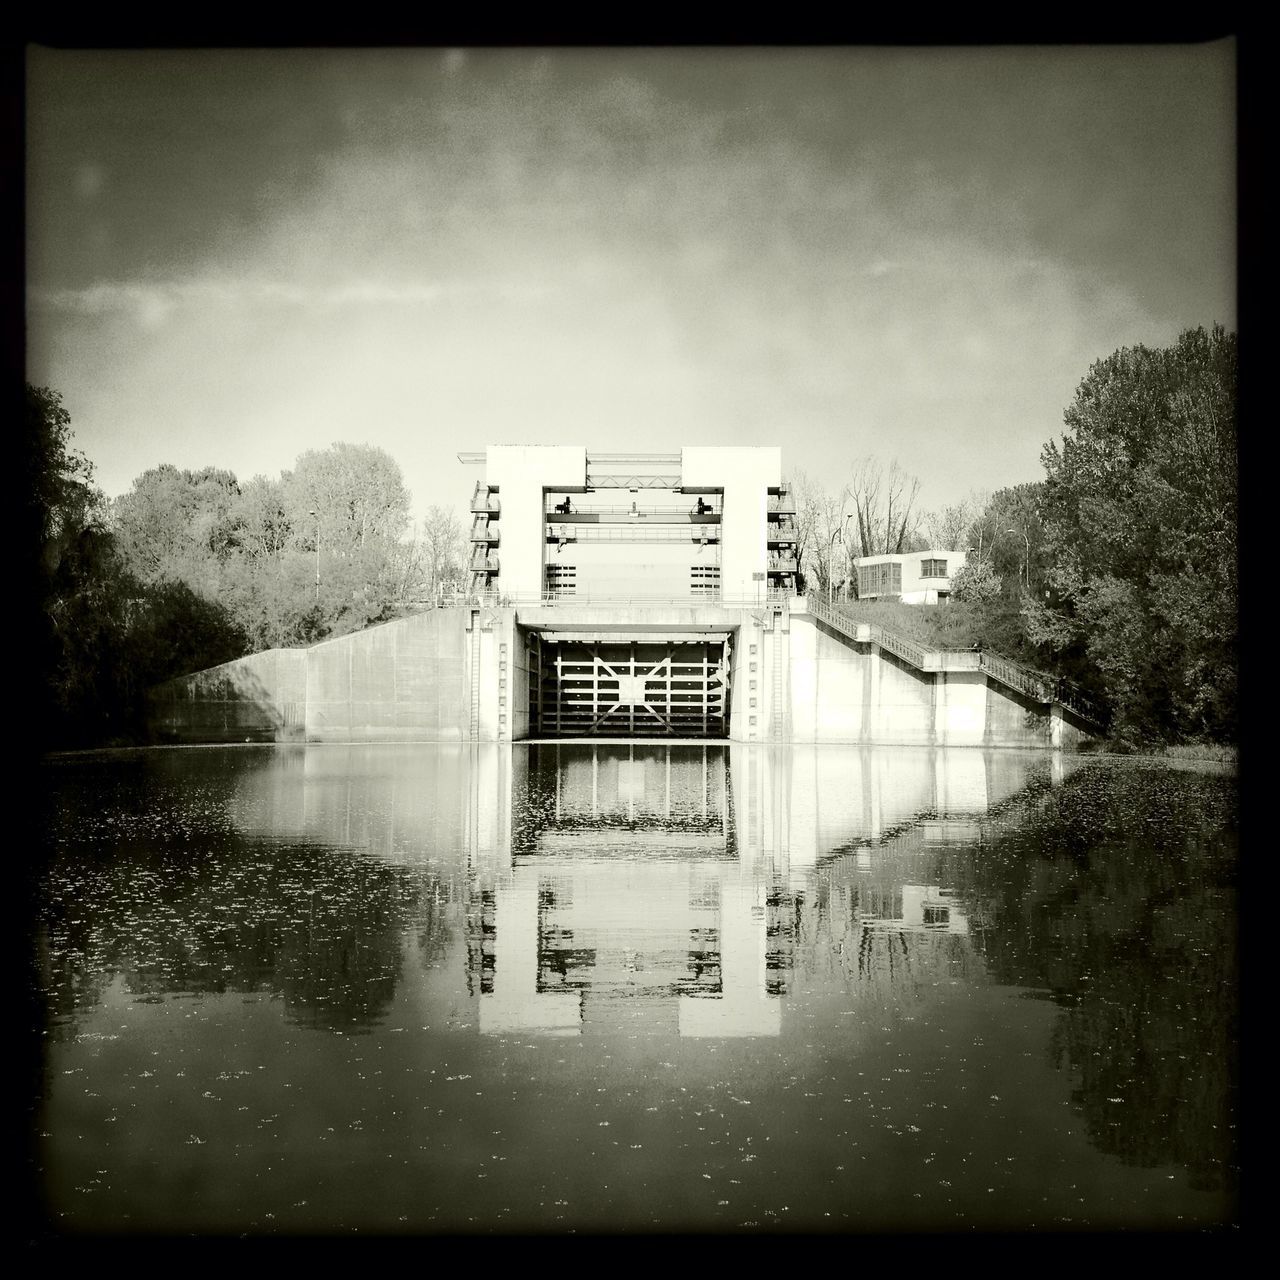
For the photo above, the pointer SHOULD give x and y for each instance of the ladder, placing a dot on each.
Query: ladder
(475, 676)
(779, 683)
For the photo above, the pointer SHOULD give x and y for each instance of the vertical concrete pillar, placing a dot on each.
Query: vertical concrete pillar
(872, 729)
(750, 687)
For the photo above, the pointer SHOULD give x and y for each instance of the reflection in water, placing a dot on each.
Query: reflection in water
(1116, 899)
(871, 923)
(633, 891)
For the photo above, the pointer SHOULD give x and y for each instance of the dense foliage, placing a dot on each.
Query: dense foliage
(1140, 514)
(318, 552)
(191, 568)
(1119, 569)
(104, 633)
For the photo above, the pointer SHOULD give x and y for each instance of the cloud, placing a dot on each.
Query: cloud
(152, 303)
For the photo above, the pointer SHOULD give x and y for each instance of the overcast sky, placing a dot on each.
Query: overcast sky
(234, 257)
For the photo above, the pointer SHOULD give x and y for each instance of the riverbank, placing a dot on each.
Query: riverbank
(1203, 752)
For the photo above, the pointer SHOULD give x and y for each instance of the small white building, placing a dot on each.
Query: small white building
(916, 577)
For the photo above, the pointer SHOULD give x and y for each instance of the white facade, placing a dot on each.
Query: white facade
(745, 477)
(559, 523)
(916, 577)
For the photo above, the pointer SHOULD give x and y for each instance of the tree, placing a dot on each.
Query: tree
(347, 507)
(260, 521)
(949, 527)
(59, 491)
(807, 495)
(178, 526)
(975, 583)
(831, 528)
(442, 551)
(78, 615)
(1140, 515)
(885, 516)
(1008, 534)
(104, 633)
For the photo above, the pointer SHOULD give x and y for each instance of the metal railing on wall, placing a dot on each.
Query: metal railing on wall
(491, 600)
(708, 511)
(676, 533)
(1035, 685)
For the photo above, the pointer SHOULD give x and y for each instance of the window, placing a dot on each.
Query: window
(879, 579)
(704, 579)
(562, 579)
(933, 568)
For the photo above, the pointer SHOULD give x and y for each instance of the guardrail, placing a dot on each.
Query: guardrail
(555, 512)
(558, 532)
(771, 598)
(1031, 684)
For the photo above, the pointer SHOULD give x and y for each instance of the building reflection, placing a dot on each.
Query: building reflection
(686, 887)
(678, 886)
(619, 894)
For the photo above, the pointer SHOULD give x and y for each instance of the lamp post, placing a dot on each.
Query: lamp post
(1027, 540)
(838, 536)
(317, 516)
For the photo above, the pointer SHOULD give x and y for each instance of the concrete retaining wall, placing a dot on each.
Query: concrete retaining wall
(842, 692)
(403, 680)
(413, 680)
(259, 698)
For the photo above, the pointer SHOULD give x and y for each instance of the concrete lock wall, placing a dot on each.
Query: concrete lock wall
(258, 698)
(404, 679)
(841, 692)
(465, 674)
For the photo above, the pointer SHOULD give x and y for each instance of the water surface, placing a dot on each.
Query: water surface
(635, 987)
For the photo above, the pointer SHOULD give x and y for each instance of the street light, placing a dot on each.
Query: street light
(317, 516)
(838, 536)
(1027, 540)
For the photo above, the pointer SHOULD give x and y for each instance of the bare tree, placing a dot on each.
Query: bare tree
(902, 492)
(950, 527)
(442, 551)
(808, 497)
(832, 515)
(864, 490)
(884, 507)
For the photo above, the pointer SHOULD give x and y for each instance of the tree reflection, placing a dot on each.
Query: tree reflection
(1119, 897)
(203, 910)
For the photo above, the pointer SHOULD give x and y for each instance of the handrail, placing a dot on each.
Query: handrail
(556, 514)
(771, 598)
(1033, 684)
(485, 500)
(557, 532)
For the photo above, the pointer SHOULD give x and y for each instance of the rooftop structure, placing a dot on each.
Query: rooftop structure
(557, 523)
